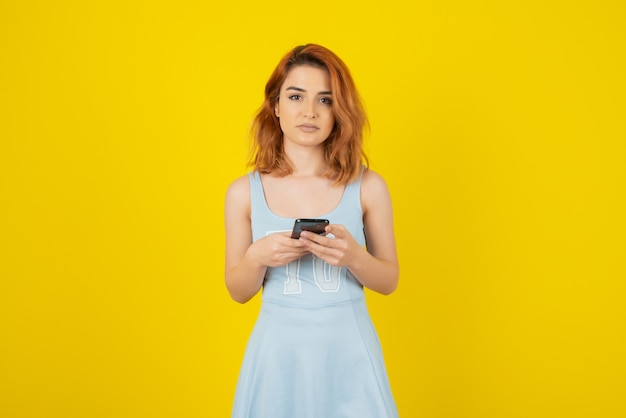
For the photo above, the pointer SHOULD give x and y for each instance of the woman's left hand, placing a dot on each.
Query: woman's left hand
(340, 250)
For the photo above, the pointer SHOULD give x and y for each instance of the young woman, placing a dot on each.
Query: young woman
(314, 351)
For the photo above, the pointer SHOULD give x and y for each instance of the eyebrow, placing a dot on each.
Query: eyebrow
(304, 91)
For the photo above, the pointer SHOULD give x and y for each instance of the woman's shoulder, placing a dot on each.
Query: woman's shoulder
(239, 189)
(373, 188)
(372, 180)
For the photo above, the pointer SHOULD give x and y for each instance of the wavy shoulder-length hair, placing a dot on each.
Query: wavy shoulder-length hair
(343, 149)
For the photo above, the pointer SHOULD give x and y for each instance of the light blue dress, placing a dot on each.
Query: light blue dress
(313, 352)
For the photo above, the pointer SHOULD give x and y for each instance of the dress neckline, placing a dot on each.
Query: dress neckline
(270, 211)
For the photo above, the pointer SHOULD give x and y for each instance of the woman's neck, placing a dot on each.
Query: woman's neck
(307, 162)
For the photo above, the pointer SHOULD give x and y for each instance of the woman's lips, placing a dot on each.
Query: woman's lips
(308, 128)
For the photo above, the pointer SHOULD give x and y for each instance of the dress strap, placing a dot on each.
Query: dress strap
(257, 195)
(353, 190)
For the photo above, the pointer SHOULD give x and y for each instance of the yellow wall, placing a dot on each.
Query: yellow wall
(500, 127)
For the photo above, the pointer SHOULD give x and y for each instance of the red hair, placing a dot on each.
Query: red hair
(343, 148)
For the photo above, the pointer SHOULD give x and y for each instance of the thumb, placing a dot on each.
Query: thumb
(336, 230)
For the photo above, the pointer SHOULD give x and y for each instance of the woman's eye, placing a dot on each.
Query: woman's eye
(326, 100)
(295, 97)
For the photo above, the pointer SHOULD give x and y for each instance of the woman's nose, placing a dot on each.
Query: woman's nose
(309, 111)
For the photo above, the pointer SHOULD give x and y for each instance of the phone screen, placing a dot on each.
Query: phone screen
(314, 225)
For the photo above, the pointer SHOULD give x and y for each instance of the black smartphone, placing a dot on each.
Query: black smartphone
(317, 226)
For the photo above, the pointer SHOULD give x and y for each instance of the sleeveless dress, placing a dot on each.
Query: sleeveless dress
(313, 352)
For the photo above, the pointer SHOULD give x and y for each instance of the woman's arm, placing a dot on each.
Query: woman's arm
(243, 275)
(246, 262)
(377, 267)
(382, 273)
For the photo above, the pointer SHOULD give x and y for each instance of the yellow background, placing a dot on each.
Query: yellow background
(499, 126)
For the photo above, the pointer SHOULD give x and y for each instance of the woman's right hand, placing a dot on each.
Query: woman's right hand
(276, 250)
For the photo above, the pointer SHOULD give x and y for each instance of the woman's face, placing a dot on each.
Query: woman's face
(304, 106)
